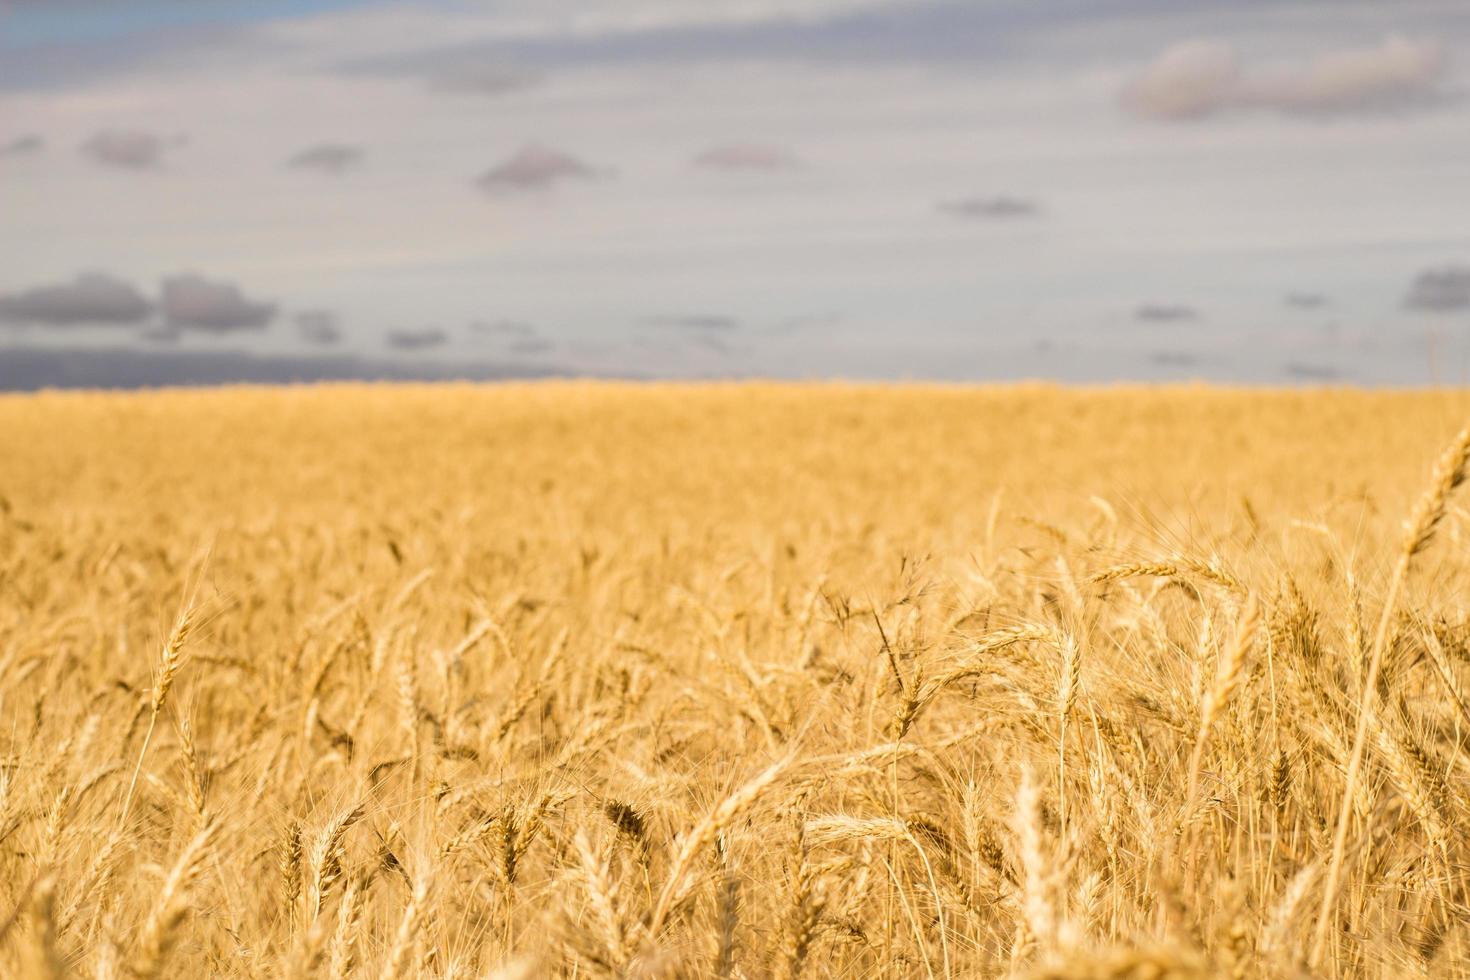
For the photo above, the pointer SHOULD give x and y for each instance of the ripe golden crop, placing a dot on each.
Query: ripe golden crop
(734, 681)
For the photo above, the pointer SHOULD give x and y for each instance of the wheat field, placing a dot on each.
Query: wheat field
(597, 680)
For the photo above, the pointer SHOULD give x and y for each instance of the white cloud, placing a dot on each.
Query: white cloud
(1193, 78)
(1200, 78)
(381, 31)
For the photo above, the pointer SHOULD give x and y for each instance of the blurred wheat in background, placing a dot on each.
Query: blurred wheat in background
(736, 681)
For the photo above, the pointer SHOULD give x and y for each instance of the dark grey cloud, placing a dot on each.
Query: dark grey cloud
(123, 48)
(1201, 78)
(161, 333)
(535, 167)
(479, 79)
(526, 346)
(1165, 313)
(803, 322)
(1443, 290)
(420, 339)
(1003, 206)
(694, 321)
(22, 146)
(1302, 371)
(1305, 301)
(327, 158)
(192, 302)
(469, 68)
(91, 298)
(30, 369)
(715, 343)
(503, 328)
(746, 156)
(128, 149)
(516, 337)
(319, 327)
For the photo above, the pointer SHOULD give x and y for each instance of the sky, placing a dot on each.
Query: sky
(1262, 191)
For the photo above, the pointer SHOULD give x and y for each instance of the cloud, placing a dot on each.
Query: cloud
(22, 146)
(787, 326)
(161, 333)
(1002, 206)
(1442, 290)
(1173, 358)
(1165, 313)
(30, 369)
(1190, 79)
(1305, 301)
(193, 302)
(717, 344)
(483, 67)
(1200, 78)
(1310, 372)
(504, 328)
(327, 158)
(529, 345)
(535, 167)
(482, 79)
(746, 156)
(129, 149)
(694, 321)
(90, 298)
(517, 336)
(95, 298)
(421, 339)
(318, 327)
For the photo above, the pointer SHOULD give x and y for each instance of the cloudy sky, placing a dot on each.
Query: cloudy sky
(1254, 190)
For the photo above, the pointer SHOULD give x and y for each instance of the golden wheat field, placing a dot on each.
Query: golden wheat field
(586, 680)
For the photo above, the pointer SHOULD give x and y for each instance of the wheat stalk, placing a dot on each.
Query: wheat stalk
(1449, 473)
(677, 884)
(170, 660)
(399, 954)
(1229, 673)
(173, 904)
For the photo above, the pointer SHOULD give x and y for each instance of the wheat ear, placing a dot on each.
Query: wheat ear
(1228, 677)
(169, 662)
(173, 905)
(1449, 473)
(408, 927)
(680, 877)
